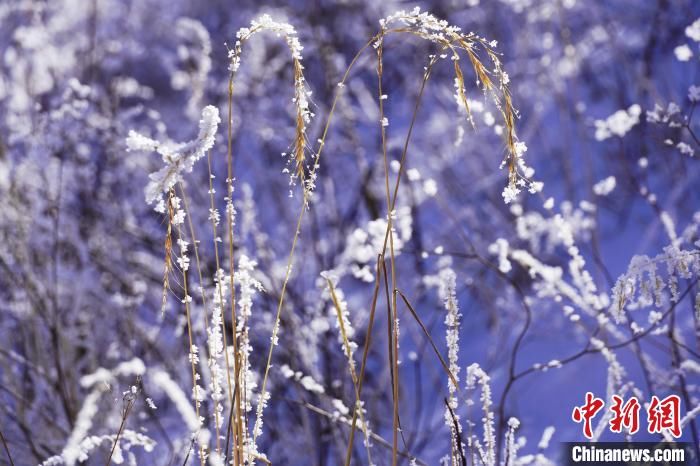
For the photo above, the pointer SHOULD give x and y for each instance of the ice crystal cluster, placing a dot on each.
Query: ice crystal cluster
(178, 158)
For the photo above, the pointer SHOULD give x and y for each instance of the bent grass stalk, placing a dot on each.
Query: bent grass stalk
(351, 365)
(465, 43)
(302, 117)
(482, 74)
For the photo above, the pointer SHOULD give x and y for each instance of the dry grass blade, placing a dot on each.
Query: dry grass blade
(365, 352)
(445, 367)
(168, 251)
(303, 116)
(300, 138)
(461, 91)
(353, 373)
(392, 341)
(275, 328)
(392, 325)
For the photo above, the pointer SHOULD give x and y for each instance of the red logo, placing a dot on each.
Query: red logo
(587, 412)
(662, 415)
(625, 415)
(665, 415)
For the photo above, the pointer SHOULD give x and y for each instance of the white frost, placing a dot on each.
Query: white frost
(178, 157)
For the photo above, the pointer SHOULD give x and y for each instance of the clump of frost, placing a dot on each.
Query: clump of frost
(604, 186)
(683, 52)
(178, 157)
(693, 30)
(500, 249)
(617, 124)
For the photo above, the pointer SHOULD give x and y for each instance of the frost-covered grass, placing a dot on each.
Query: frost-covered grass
(231, 361)
(333, 269)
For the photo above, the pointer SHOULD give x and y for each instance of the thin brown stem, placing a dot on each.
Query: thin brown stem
(125, 415)
(368, 338)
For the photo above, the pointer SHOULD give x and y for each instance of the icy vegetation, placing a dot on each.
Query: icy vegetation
(388, 238)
